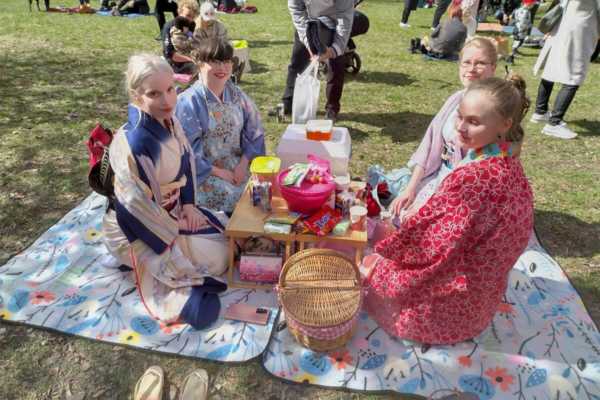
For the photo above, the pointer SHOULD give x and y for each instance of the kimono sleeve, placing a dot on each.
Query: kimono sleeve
(193, 117)
(253, 133)
(423, 257)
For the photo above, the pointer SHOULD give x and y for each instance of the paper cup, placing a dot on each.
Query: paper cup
(358, 218)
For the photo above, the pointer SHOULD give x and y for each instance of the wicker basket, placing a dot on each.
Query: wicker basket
(320, 292)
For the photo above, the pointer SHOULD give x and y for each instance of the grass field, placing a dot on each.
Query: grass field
(59, 74)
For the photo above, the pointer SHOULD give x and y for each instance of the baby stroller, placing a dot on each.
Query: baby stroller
(353, 60)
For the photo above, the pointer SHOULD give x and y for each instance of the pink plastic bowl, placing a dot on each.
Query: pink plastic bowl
(306, 199)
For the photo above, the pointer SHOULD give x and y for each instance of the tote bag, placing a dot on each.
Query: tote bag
(306, 95)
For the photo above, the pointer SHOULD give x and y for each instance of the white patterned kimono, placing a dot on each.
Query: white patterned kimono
(154, 178)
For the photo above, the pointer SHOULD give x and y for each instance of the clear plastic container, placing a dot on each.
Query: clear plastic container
(319, 129)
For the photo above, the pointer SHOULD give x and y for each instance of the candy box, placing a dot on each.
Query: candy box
(260, 268)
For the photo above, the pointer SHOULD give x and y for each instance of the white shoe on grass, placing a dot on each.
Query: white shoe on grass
(403, 25)
(535, 118)
(559, 131)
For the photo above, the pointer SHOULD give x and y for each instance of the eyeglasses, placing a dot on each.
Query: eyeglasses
(479, 65)
(217, 63)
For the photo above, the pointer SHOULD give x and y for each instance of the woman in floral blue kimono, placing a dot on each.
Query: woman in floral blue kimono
(223, 126)
(176, 249)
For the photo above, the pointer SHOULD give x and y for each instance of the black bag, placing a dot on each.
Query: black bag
(551, 19)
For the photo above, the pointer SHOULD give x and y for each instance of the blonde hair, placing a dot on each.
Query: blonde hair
(509, 99)
(139, 68)
(191, 5)
(489, 48)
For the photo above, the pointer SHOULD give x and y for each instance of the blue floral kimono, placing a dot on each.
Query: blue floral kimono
(154, 178)
(220, 132)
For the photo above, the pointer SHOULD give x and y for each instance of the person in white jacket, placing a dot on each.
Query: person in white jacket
(565, 58)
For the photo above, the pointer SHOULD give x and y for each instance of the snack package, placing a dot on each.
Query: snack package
(341, 228)
(323, 221)
(296, 175)
(288, 218)
(318, 170)
(270, 227)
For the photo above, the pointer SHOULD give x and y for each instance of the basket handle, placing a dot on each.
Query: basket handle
(343, 284)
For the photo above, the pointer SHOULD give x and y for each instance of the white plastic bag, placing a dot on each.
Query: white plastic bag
(306, 95)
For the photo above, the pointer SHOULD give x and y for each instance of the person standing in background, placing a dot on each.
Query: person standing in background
(163, 6)
(565, 58)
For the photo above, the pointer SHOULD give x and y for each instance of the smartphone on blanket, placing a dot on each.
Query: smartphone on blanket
(248, 313)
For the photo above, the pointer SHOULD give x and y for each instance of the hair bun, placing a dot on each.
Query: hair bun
(518, 82)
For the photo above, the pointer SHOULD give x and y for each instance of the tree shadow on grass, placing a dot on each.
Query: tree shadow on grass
(388, 77)
(55, 99)
(268, 43)
(258, 67)
(589, 128)
(402, 127)
(566, 235)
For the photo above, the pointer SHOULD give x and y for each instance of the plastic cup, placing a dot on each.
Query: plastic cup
(358, 218)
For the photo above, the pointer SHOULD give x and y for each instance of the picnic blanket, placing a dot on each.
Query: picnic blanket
(542, 344)
(67, 282)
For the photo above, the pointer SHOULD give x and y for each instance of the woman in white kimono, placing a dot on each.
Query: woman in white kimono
(176, 249)
(565, 59)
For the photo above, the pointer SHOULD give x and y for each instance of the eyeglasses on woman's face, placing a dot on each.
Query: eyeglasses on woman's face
(478, 65)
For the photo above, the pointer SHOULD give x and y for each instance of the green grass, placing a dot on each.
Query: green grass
(59, 74)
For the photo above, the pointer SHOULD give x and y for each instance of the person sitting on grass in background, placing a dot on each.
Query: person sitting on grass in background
(447, 39)
(440, 277)
(522, 23)
(125, 7)
(182, 35)
(207, 24)
(181, 63)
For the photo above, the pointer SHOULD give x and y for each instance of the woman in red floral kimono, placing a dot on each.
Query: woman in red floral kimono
(439, 278)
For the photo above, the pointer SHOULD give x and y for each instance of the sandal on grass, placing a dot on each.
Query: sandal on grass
(195, 386)
(150, 385)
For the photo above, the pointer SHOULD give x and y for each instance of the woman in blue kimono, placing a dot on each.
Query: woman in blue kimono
(176, 249)
(223, 126)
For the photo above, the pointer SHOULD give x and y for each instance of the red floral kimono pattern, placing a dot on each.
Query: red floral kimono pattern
(444, 272)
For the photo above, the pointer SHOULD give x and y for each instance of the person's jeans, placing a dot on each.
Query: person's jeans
(300, 59)
(439, 12)
(409, 5)
(163, 6)
(561, 104)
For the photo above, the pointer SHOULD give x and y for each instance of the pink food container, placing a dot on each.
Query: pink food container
(306, 199)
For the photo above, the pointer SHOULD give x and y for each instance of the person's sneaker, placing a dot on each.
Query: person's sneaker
(559, 131)
(403, 25)
(536, 118)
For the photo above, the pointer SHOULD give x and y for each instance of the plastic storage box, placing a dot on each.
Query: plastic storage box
(294, 146)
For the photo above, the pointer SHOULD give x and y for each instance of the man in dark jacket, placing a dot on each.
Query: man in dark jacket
(337, 21)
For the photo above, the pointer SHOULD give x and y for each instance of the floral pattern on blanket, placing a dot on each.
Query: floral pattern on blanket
(67, 282)
(542, 344)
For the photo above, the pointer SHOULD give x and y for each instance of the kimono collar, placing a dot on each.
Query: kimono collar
(138, 118)
(502, 150)
(210, 96)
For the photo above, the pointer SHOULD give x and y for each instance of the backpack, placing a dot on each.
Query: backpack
(100, 175)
